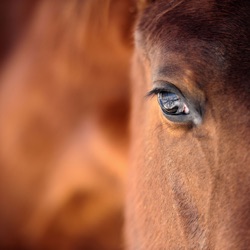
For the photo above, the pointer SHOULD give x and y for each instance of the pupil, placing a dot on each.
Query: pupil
(172, 110)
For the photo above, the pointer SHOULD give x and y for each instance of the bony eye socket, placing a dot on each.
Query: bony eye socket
(172, 104)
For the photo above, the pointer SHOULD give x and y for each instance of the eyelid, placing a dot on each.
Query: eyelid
(154, 92)
(164, 87)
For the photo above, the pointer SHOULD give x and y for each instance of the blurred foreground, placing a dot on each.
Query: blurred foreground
(64, 108)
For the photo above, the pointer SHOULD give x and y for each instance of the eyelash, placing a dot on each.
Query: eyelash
(154, 92)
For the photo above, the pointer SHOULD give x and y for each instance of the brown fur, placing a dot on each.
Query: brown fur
(188, 186)
(64, 109)
(64, 106)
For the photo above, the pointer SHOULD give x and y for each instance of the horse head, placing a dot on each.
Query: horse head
(189, 179)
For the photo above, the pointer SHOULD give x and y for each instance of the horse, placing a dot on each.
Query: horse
(64, 107)
(188, 180)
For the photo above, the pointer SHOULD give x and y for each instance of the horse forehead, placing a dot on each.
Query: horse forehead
(210, 36)
(208, 20)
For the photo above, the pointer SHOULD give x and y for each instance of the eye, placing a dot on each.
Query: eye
(172, 104)
(175, 106)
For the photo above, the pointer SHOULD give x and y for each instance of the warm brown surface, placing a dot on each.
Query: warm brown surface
(189, 178)
(64, 110)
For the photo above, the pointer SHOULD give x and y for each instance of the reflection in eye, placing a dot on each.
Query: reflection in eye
(172, 104)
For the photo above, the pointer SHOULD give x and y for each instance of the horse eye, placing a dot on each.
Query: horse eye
(172, 104)
(176, 106)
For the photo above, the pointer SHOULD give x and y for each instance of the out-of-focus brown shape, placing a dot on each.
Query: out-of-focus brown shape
(14, 16)
(64, 83)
